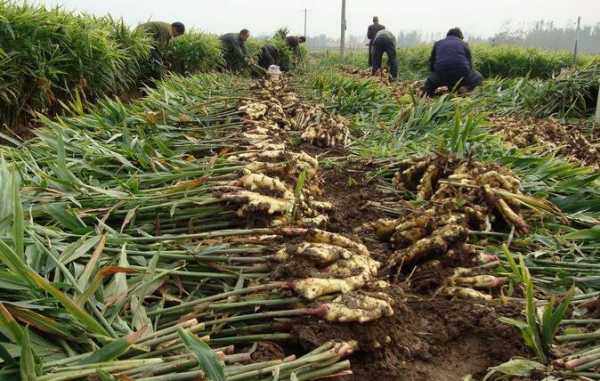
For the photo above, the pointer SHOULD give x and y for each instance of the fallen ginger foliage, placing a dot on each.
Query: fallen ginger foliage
(136, 248)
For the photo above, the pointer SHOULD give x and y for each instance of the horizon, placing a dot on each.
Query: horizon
(484, 21)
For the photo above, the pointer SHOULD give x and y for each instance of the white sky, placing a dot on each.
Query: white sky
(476, 17)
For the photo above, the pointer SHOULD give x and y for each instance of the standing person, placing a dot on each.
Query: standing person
(234, 49)
(385, 42)
(451, 64)
(371, 33)
(160, 34)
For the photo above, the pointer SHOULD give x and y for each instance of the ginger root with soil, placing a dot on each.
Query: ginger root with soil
(482, 193)
(459, 196)
(277, 105)
(325, 263)
(548, 135)
(267, 187)
(321, 267)
(335, 277)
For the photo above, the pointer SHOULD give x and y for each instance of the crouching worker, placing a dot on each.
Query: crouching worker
(451, 65)
(269, 55)
(385, 42)
(234, 50)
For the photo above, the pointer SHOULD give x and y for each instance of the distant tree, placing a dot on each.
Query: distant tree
(409, 39)
(282, 33)
(541, 34)
(546, 35)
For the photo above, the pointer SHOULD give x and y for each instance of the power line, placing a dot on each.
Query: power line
(577, 40)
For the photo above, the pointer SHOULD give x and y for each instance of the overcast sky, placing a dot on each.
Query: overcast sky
(476, 17)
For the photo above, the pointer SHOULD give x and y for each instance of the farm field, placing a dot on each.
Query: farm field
(328, 225)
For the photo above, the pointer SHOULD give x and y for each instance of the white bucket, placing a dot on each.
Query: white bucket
(274, 72)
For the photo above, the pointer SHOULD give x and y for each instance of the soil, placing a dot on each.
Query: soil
(23, 131)
(319, 151)
(593, 308)
(267, 351)
(428, 278)
(430, 337)
(426, 340)
(350, 194)
(569, 140)
(297, 269)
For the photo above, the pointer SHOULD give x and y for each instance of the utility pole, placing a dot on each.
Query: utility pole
(576, 41)
(597, 118)
(305, 22)
(343, 37)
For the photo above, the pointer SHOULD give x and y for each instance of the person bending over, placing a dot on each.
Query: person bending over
(293, 42)
(234, 49)
(385, 42)
(451, 65)
(160, 34)
(269, 55)
(371, 32)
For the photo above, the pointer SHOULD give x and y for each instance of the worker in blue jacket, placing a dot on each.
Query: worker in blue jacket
(451, 64)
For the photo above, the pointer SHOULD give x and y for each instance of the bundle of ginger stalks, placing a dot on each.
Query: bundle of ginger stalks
(157, 241)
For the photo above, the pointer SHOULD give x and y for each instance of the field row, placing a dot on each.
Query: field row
(326, 225)
(527, 126)
(492, 61)
(52, 60)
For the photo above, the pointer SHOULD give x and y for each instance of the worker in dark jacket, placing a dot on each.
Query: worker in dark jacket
(234, 49)
(451, 64)
(160, 34)
(269, 55)
(385, 42)
(371, 32)
(293, 42)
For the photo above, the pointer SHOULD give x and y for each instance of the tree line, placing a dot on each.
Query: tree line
(543, 34)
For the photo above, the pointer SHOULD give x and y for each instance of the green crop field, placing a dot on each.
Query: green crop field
(328, 225)
(52, 59)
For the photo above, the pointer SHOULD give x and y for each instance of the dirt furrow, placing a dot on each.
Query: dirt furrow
(429, 336)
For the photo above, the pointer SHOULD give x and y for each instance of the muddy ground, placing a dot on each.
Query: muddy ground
(430, 338)
(426, 339)
(549, 135)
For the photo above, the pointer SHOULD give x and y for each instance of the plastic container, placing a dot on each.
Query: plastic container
(274, 72)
